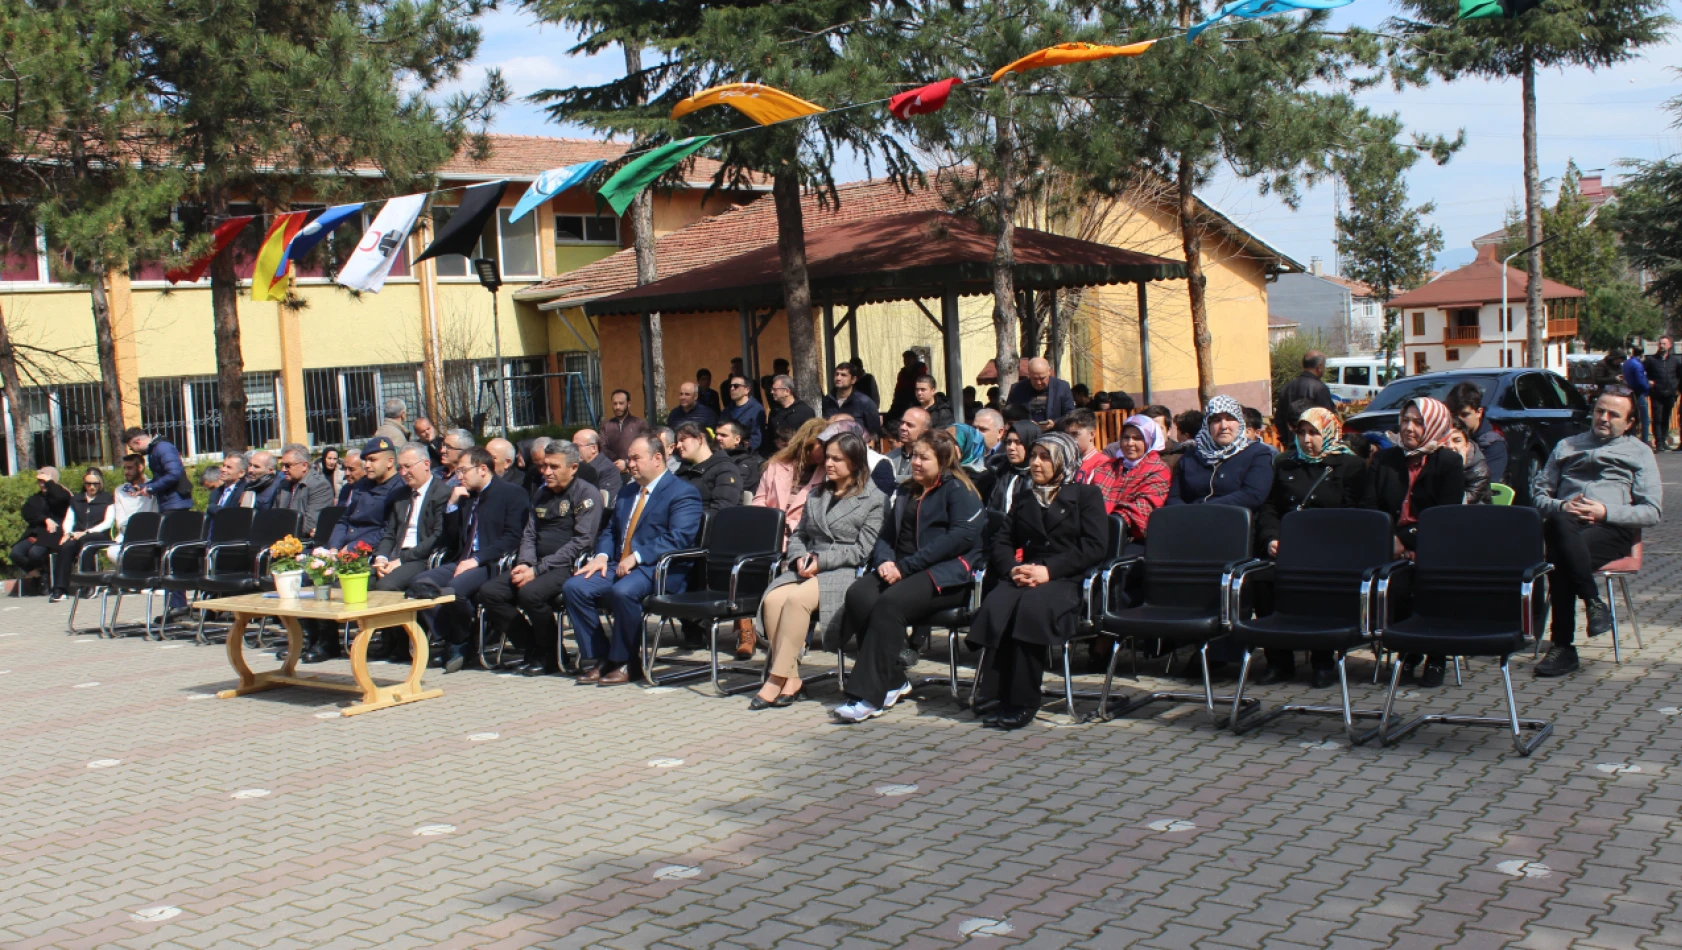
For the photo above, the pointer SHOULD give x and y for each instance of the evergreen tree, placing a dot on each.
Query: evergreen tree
(1435, 42)
(1383, 241)
(1648, 217)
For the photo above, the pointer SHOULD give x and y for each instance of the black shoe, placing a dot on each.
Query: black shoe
(791, 698)
(454, 661)
(1600, 617)
(1325, 678)
(1558, 662)
(1015, 719)
(539, 668)
(1274, 675)
(317, 654)
(58, 597)
(757, 703)
(1432, 677)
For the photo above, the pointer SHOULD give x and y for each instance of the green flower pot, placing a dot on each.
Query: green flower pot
(354, 587)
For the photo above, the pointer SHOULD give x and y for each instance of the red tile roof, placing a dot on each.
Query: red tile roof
(1478, 283)
(1355, 287)
(524, 157)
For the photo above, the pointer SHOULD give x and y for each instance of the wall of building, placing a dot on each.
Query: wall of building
(1318, 306)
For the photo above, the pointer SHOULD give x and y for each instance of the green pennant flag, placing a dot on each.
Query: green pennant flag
(628, 182)
(1493, 9)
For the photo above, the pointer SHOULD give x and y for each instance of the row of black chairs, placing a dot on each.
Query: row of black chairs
(1473, 590)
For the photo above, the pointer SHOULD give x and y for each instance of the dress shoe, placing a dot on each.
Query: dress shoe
(747, 642)
(1016, 719)
(539, 668)
(454, 660)
(1558, 662)
(1325, 678)
(1432, 677)
(618, 677)
(997, 714)
(1600, 618)
(1274, 675)
(789, 699)
(758, 702)
(590, 677)
(321, 652)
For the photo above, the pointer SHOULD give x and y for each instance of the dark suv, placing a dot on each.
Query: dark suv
(1532, 408)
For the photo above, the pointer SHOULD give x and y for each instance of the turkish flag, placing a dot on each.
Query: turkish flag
(923, 99)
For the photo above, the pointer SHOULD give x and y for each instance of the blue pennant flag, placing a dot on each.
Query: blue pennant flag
(1256, 9)
(551, 183)
(314, 232)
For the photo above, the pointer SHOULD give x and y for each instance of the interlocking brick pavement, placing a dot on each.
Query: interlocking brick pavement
(775, 830)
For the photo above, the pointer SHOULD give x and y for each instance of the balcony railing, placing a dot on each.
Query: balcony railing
(1454, 334)
(1562, 328)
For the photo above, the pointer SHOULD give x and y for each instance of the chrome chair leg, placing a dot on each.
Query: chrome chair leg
(1634, 621)
(1457, 671)
(1612, 606)
(1238, 691)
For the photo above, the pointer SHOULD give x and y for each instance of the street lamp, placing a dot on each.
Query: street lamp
(490, 278)
(1506, 321)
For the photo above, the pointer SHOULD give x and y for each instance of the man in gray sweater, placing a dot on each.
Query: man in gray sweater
(1598, 491)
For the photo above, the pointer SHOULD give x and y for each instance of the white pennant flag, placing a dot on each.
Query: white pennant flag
(377, 251)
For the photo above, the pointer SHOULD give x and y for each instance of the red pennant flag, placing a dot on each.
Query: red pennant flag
(225, 234)
(923, 99)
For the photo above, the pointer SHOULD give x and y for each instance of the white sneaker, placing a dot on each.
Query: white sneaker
(895, 695)
(857, 711)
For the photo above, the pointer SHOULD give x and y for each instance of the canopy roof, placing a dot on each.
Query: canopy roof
(915, 256)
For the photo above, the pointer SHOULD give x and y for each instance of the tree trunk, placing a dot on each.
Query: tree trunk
(1536, 324)
(230, 362)
(110, 389)
(805, 355)
(14, 397)
(1191, 241)
(1057, 331)
(1004, 254)
(1028, 312)
(642, 231)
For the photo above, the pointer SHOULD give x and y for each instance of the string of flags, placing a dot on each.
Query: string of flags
(293, 234)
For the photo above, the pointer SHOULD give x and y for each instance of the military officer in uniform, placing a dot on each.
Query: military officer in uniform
(525, 603)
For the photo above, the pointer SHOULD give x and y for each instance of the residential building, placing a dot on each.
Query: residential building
(1456, 320)
(1345, 313)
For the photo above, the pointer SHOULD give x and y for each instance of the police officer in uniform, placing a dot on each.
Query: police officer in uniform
(524, 603)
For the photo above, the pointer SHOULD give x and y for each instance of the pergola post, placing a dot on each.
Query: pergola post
(829, 340)
(1144, 343)
(748, 369)
(953, 343)
(1055, 332)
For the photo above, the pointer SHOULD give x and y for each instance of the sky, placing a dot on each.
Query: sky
(1599, 119)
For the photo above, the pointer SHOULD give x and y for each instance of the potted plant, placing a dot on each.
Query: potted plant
(288, 571)
(354, 565)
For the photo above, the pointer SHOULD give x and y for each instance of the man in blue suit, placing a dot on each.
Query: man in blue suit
(662, 515)
(170, 484)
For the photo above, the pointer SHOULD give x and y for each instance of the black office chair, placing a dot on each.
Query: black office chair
(740, 547)
(242, 567)
(141, 565)
(1191, 554)
(325, 522)
(1473, 593)
(185, 564)
(142, 528)
(1322, 585)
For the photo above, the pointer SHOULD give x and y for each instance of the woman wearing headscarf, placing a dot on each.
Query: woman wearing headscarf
(1320, 472)
(1224, 467)
(1055, 533)
(1136, 481)
(1408, 478)
(972, 449)
(1011, 473)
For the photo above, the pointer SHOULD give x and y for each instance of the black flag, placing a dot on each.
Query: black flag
(461, 232)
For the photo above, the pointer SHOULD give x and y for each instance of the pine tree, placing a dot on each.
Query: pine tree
(1383, 241)
(1435, 42)
(1648, 217)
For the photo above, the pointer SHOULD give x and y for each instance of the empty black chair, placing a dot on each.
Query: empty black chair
(242, 567)
(325, 522)
(1470, 592)
(86, 575)
(1191, 553)
(141, 565)
(184, 567)
(1323, 582)
(740, 547)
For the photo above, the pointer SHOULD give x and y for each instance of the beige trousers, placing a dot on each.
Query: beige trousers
(788, 615)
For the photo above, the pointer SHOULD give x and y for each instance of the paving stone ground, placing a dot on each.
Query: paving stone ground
(124, 827)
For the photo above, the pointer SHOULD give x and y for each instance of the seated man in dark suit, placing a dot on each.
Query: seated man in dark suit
(661, 514)
(229, 493)
(414, 530)
(565, 519)
(482, 523)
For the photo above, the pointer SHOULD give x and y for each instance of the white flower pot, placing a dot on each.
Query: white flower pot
(288, 583)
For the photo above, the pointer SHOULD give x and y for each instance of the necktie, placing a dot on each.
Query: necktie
(631, 526)
(472, 538)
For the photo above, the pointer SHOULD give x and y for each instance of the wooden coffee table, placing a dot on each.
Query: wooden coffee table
(383, 609)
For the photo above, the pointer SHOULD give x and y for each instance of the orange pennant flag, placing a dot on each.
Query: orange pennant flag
(1065, 53)
(760, 103)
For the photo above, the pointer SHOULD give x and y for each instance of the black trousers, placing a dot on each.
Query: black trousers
(32, 554)
(879, 613)
(1015, 672)
(1317, 659)
(1575, 550)
(1662, 406)
(71, 549)
(529, 615)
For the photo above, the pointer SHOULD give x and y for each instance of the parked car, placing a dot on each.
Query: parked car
(1352, 378)
(1532, 408)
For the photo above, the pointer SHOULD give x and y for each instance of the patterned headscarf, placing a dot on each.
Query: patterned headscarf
(970, 445)
(1153, 439)
(1438, 421)
(1206, 447)
(1326, 423)
(1065, 459)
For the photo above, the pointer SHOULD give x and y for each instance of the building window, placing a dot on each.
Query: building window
(1451, 355)
(586, 229)
(452, 265)
(1419, 364)
(519, 244)
(1419, 324)
(1509, 319)
(20, 249)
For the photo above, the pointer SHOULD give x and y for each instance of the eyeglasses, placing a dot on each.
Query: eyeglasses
(93, 484)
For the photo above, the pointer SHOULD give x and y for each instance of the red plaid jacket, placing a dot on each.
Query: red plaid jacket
(1134, 494)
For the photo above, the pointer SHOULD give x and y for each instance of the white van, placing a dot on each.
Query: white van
(1359, 377)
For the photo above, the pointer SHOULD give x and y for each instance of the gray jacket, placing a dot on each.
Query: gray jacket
(306, 498)
(1620, 473)
(842, 538)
